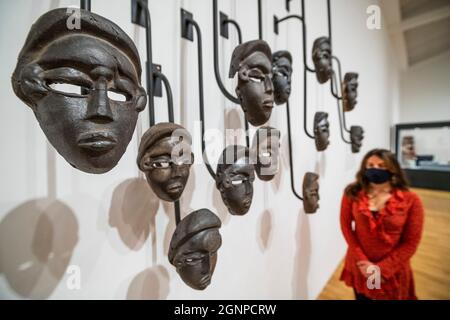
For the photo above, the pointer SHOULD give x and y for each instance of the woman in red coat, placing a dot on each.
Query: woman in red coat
(388, 220)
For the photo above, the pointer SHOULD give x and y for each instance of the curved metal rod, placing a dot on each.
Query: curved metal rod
(149, 65)
(333, 92)
(340, 116)
(305, 70)
(340, 81)
(302, 20)
(260, 31)
(290, 151)
(238, 29)
(222, 88)
(201, 95)
(169, 95)
(166, 83)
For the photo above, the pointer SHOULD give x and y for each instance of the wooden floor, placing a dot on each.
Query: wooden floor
(431, 263)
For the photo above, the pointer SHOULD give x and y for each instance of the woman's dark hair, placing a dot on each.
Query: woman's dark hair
(398, 179)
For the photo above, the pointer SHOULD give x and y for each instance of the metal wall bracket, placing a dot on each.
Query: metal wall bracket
(275, 24)
(288, 5)
(223, 18)
(138, 13)
(157, 86)
(187, 31)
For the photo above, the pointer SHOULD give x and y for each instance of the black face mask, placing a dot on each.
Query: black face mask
(377, 176)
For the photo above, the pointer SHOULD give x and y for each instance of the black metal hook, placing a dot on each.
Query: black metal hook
(187, 23)
(291, 162)
(224, 21)
(85, 4)
(276, 21)
(339, 112)
(140, 14)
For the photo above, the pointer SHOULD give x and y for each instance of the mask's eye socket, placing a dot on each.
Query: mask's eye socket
(118, 96)
(238, 181)
(163, 164)
(256, 76)
(68, 88)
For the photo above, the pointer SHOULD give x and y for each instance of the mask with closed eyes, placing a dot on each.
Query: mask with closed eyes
(83, 86)
(356, 138)
(321, 55)
(321, 130)
(350, 91)
(311, 192)
(282, 74)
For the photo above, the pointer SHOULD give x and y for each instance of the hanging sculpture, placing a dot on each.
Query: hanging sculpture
(88, 128)
(282, 74)
(253, 62)
(321, 55)
(311, 192)
(234, 179)
(350, 91)
(321, 130)
(265, 152)
(165, 157)
(356, 138)
(193, 248)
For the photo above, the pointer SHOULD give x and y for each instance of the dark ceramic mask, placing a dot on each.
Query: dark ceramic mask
(350, 91)
(252, 62)
(234, 179)
(83, 86)
(321, 55)
(165, 157)
(193, 248)
(311, 192)
(356, 138)
(265, 150)
(282, 74)
(321, 130)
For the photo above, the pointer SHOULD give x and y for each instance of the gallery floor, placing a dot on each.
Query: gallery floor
(431, 263)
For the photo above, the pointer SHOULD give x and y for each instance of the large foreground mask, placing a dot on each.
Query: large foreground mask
(234, 179)
(321, 55)
(321, 130)
(165, 157)
(253, 62)
(356, 138)
(311, 192)
(350, 91)
(193, 248)
(265, 150)
(89, 128)
(282, 74)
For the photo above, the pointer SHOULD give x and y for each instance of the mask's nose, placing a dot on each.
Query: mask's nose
(98, 108)
(268, 85)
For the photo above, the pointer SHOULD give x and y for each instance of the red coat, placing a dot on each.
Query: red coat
(389, 241)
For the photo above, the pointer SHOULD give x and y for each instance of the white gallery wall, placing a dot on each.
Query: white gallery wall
(59, 225)
(424, 91)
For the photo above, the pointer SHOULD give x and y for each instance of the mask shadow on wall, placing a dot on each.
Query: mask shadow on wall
(185, 209)
(302, 257)
(150, 284)
(234, 121)
(133, 211)
(264, 236)
(37, 241)
(321, 164)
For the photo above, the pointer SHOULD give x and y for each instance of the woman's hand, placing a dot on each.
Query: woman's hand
(362, 266)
